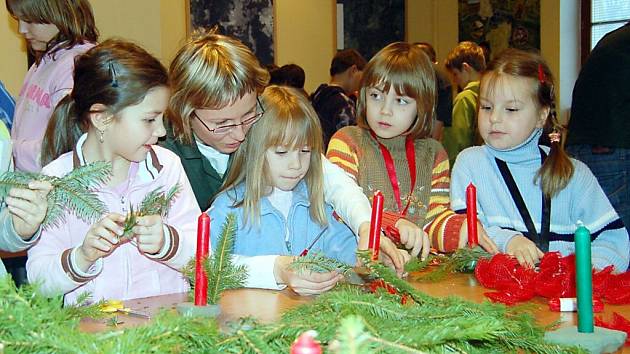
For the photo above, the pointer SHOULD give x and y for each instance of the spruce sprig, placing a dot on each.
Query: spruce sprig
(222, 273)
(462, 260)
(156, 202)
(73, 192)
(346, 318)
(318, 262)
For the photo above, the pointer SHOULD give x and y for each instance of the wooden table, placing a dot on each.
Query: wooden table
(267, 305)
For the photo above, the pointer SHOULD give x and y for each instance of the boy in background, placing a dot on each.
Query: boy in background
(332, 101)
(465, 64)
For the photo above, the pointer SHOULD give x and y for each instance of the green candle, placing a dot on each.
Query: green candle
(583, 279)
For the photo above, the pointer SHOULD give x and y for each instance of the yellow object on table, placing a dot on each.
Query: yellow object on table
(113, 306)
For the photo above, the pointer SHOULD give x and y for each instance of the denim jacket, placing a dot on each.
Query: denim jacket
(276, 235)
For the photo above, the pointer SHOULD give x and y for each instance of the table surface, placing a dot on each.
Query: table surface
(268, 305)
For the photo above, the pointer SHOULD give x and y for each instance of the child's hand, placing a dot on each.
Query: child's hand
(100, 240)
(401, 256)
(525, 251)
(149, 234)
(28, 207)
(389, 253)
(484, 240)
(306, 282)
(414, 238)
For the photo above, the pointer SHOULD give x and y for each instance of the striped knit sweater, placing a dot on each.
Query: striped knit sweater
(356, 151)
(582, 199)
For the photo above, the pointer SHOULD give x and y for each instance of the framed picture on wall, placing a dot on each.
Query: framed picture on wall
(251, 21)
(499, 24)
(368, 25)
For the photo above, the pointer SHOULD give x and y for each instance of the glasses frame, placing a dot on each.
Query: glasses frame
(226, 129)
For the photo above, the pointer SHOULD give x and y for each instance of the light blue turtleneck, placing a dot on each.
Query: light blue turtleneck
(582, 199)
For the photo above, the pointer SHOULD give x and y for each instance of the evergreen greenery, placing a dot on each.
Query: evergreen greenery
(73, 192)
(348, 320)
(156, 202)
(222, 273)
(463, 260)
(319, 263)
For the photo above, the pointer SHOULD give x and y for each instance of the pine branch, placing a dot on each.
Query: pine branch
(156, 202)
(416, 264)
(380, 271)
(463, 260)
(318, 263)
(351, 337)
(222, 273)
(31, 323)
(73, 193)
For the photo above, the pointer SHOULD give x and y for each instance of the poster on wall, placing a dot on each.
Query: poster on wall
(251, 21)
(499, 24)
(369, 25)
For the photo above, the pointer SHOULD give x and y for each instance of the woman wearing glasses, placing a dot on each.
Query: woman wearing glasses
(215, 82)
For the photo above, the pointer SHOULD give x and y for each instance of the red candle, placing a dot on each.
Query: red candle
(201, 278)
(374, 242)
(471, 215)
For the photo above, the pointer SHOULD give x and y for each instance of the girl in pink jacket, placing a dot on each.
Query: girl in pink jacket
(56, 31)
(119, 98)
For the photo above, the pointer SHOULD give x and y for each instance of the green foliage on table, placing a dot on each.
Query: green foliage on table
(222, 273)
(318, 262)
(348, 320)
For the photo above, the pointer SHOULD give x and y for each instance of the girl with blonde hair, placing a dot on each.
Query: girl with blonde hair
(275, 187)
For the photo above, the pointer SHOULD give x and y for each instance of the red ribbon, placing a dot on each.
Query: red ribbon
(391, 170)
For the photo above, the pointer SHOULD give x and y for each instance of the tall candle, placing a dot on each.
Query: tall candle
(203, 244)
(374, 242)
(471, 215)
(584, 279)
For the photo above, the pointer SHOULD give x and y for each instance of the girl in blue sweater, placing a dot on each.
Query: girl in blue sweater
(530, 197)
(275, 187)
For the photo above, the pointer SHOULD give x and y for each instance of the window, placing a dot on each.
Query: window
(600, 17)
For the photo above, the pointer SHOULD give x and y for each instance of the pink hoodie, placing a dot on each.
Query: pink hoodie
(126, 273)
(44, 86)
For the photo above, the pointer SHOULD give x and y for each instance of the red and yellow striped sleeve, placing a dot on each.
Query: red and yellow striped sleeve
(342, 152)
(443, 224)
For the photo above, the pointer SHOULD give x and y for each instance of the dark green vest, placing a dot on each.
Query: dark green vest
(205, 181)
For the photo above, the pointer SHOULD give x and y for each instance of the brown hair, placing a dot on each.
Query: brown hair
(211, 71)
(408, 69)
(289, 120)
(555, 173)
(116, 74)
(73, 18)
(466, 52)
(345, 59)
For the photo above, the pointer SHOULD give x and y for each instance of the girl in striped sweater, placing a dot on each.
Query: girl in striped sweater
(390, 150)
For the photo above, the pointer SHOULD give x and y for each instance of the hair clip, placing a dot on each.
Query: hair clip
(541, 74)
(112, 73)
(554, 137)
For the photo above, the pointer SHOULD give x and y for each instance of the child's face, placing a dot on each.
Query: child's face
(388, 114)
(37, 34)
(139, 126)
(238, 115)
(507, 112)
(459, 77)
(287, 166)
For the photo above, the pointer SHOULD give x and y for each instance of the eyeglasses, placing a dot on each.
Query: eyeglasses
(224, 129)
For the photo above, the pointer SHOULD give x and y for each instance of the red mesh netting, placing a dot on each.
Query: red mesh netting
(554, 278)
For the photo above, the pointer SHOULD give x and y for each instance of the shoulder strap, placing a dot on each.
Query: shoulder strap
(541, 240)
